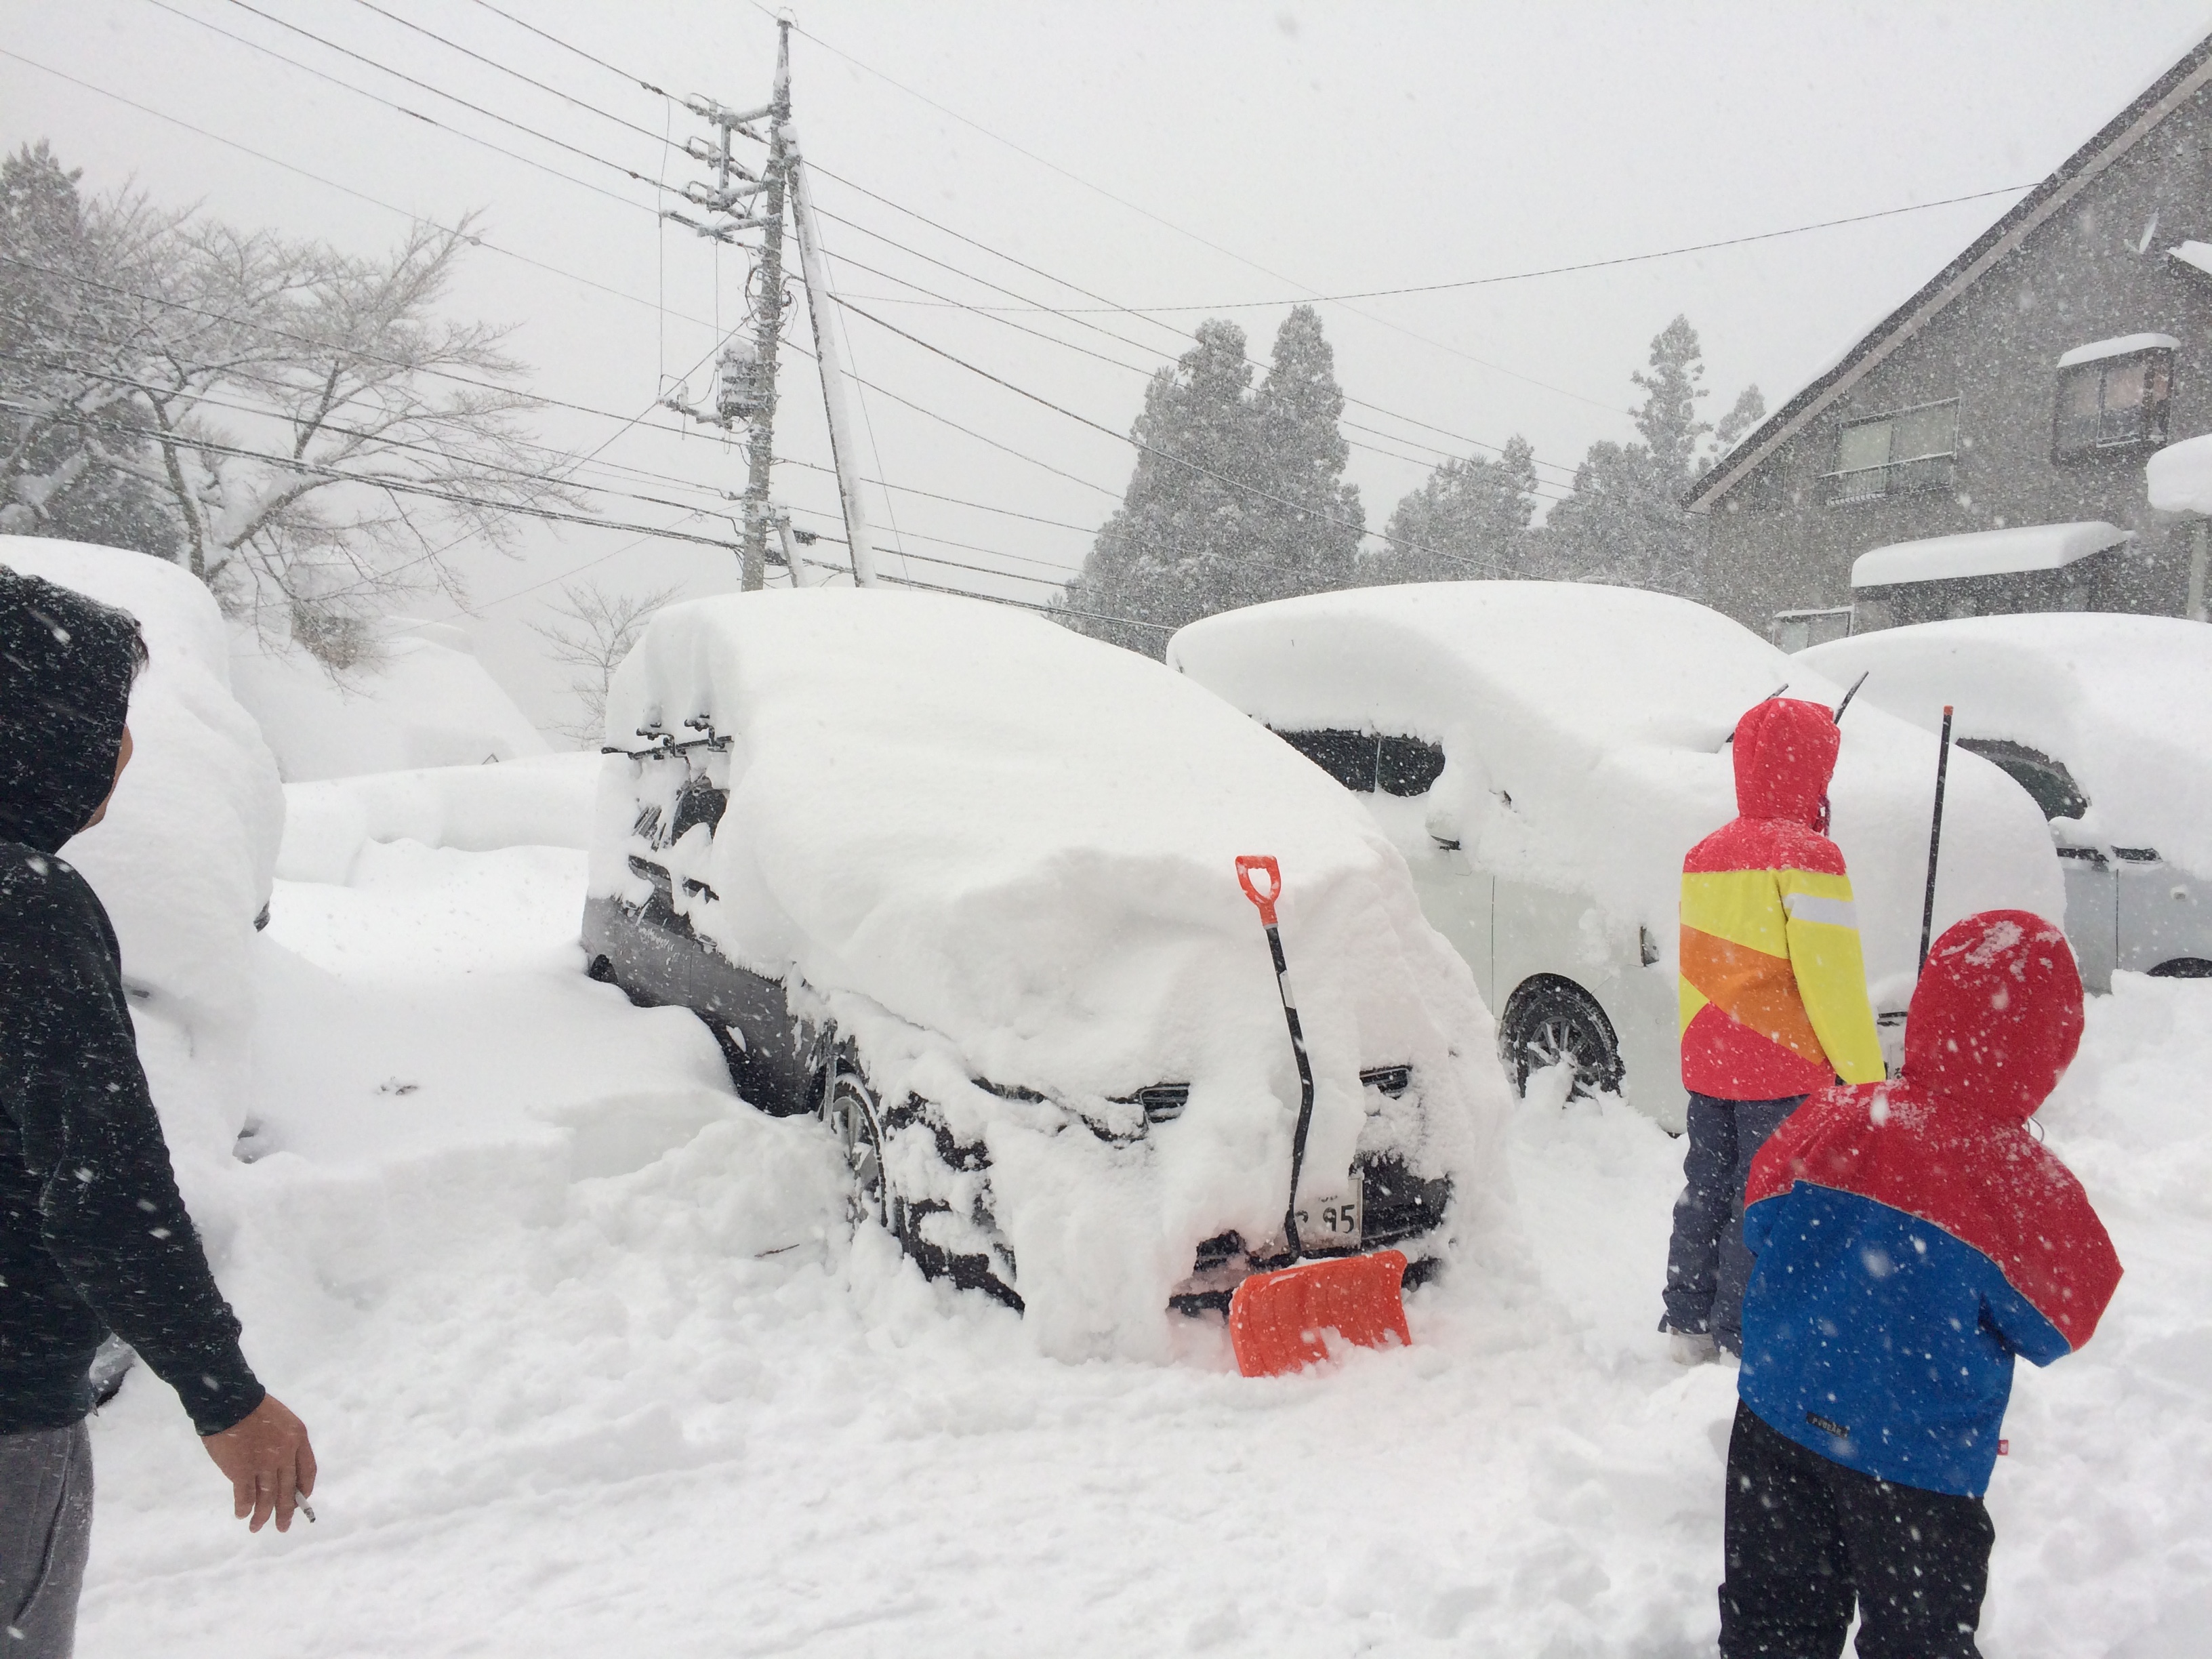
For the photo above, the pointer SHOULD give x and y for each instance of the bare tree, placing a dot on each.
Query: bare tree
(597, 631)
(322, 439)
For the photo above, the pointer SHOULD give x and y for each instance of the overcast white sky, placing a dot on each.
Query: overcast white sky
(1177, 158)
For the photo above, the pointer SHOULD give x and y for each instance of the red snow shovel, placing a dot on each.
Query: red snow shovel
(1277, 1321)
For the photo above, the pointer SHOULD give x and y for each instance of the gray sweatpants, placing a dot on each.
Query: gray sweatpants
(45, 1531)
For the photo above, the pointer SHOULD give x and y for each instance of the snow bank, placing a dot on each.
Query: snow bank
(427, 703)
(2179, 477)
(998, 850)
(2125, 703)
(543, 801)
(1586, 735)
(184, 858)
(668, 1376)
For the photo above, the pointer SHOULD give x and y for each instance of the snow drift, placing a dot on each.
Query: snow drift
(996, 850)
(424, 702)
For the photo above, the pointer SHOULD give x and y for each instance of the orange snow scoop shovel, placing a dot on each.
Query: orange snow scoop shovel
(1277, 1321)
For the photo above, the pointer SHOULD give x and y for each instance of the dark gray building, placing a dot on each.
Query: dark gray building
(1985, 443)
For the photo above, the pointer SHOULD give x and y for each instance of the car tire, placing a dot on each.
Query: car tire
(2182, 968)
(849, 1113)
(1549, 1019)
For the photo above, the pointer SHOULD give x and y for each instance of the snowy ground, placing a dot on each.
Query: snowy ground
(593, 1366)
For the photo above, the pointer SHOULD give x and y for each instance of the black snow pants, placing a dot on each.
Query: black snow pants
(1806, 1536)
(1707, 1266)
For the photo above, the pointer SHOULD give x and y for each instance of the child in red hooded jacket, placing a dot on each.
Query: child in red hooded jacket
(1911, 1236)
(1773, 1000)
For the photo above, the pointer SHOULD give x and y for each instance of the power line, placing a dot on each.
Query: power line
(508, 69)
(384, 439)
(1561, 271)
(1165, 455)
(1075, 315)
(474, 239)
(1384, 322)
(412, 114)
(369, 481)
(438, 91)
(993, 314)
(635, 80)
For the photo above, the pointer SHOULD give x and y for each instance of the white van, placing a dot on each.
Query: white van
(2106, 721)
(1544, 753)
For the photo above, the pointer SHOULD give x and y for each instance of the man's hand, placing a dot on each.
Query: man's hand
(269, 1460)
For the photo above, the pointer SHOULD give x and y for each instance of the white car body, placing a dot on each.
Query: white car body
(987, 866)
(2108, 719)
(1584, 736)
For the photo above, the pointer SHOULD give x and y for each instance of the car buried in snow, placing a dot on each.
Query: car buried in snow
(1544, 753)
(2106, 722)
(962, 883)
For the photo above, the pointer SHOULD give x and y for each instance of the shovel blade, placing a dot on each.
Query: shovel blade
(1276, 1320)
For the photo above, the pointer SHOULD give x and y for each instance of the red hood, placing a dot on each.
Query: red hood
(1785, 753)
(1996, 1016)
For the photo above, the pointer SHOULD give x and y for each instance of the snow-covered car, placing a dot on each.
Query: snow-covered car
(185, 860)
(1544, 753)
(2106, 722)
(964, 883)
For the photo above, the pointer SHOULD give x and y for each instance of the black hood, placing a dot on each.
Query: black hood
(66, 665)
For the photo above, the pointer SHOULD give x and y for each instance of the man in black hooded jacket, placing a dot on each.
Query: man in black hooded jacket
(94, 1235)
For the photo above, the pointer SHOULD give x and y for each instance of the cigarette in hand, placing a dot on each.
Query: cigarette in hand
(300, 1502)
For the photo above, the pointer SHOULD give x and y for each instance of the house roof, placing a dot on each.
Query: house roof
(1985, 553)
(2118, 135)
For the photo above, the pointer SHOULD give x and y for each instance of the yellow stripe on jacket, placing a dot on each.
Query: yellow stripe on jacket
(1777, 952)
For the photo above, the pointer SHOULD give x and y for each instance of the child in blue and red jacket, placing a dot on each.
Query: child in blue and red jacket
(1911, 1237)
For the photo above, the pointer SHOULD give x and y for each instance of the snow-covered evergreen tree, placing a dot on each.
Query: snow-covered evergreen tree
(1236, 496)
(1309, 532)
(1622, 521)
(1468, 520)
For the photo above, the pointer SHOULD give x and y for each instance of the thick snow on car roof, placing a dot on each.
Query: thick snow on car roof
(2123, 702)
(1586, 730)
(184, 857)
(960, 825)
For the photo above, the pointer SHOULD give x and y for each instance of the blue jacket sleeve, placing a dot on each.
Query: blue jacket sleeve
(2018, 1323)
(1759, 1221)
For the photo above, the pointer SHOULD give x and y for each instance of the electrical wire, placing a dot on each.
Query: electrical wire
(1165, 455)
(634, 80)
(1077, 315)
(412, 114)
(438, 91)
(1147, 213)
(1462, 282)
(508, 69)
(370, 481)
(473, 239)
(993, 314)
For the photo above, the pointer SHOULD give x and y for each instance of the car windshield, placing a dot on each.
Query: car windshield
(2046, 781)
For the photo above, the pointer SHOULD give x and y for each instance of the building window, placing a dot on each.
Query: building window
(2112, 403)
(1894, 454)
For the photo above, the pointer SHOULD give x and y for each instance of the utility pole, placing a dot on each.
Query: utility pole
(742, 200)
(842, 450)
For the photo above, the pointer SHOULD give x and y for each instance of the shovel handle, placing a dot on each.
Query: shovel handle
(1249, 862)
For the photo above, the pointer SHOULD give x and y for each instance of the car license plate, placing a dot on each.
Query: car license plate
(1329, 1223)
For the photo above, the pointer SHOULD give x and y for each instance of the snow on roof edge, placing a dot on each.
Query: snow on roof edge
(2120, 346)
(1985, 553)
